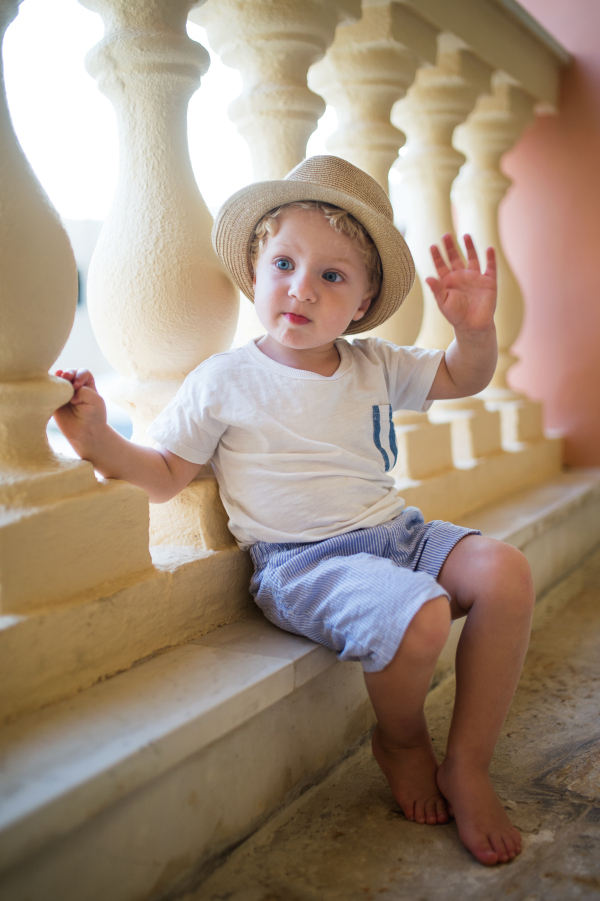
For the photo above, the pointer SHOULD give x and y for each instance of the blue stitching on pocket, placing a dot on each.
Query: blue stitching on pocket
(393, 445)
(376, 434)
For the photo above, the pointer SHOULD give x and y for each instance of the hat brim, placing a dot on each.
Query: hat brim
(237, 219)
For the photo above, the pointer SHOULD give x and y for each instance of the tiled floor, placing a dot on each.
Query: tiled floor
(346, 840)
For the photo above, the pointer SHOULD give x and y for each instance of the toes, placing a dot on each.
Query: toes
(518, 842)
(513, 843)
(420, 811)
(499, 846)
(485, 853)
(509, 844)
(441, 810)
(409, 811)
(431, 811)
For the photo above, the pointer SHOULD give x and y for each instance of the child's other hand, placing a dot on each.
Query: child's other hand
(85, 413)
(465, 295)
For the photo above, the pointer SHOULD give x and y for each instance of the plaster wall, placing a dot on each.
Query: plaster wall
(550, 224)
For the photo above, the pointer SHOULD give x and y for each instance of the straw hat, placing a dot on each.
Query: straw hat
(330, 180)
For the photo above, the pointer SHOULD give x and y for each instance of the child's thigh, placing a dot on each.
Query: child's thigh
(485, 569)
(358, 605)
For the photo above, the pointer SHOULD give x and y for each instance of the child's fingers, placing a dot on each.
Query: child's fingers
(490, 260)
(439, 262)
(472, 257)
(86, 395)
(78, 377)
(456, 261)
(84, 377)
(437, 288)
(68, 374)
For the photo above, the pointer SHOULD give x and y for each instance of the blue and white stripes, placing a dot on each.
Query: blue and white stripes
(355, 593)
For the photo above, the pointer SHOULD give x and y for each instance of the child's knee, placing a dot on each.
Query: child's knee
(510, 576)
(428, 630)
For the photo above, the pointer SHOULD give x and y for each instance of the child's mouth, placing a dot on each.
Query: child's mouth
(296, 320)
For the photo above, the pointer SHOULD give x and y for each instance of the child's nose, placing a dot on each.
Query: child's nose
(303, 286)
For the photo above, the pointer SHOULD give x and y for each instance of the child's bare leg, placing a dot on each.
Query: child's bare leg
(401, 742)
(490, 581)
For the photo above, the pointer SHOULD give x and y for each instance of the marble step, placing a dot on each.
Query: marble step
(128, 789)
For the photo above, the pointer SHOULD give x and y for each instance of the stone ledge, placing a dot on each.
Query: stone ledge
(487, 480)
(47, 657)
(64, 764)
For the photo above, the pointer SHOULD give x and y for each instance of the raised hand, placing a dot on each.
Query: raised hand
(84, 414)
(465, 295)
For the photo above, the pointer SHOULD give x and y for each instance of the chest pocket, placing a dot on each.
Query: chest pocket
(384, 434)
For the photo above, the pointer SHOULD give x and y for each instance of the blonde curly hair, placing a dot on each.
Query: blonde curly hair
(340, 220)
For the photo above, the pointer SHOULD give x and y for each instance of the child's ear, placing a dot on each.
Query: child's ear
(364, 306)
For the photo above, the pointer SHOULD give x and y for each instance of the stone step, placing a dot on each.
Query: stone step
(128, 789)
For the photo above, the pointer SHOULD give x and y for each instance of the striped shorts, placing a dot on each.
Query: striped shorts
(355, 593)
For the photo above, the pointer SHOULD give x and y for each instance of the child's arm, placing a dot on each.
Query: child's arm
(83, 422)
(467, 298)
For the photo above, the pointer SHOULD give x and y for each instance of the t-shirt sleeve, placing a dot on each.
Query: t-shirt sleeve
(410, 372)
(190, 426)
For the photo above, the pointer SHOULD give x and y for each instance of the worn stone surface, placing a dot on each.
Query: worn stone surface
(347, 840)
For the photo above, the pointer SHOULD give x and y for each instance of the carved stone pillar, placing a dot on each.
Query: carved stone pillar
(370, 66)
(47, 502)
(441, 99)
(160, 301)
(424, 448)
(490, 131)
(273, 45)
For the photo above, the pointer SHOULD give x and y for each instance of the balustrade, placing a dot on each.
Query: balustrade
(440, 99)
(489, 132)
(52, 510)
(273, 46)
(369, 66)
(160, 301)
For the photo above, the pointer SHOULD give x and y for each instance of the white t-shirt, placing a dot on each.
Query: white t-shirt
(299, 456)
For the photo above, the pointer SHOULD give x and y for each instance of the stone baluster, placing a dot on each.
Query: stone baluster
(273, 46)
(440, 99)
(47, 502)
(370, 65)
(160, 301)
(489, 132)
(424, 447)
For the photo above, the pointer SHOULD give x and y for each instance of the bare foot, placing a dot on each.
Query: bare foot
(411, 774)
(483, 824)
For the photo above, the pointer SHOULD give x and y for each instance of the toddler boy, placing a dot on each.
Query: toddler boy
(298, 426)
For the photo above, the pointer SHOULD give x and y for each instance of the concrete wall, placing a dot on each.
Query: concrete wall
(551, 231)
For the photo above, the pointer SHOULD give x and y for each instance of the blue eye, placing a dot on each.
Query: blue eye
(331, 276)
(283, 264)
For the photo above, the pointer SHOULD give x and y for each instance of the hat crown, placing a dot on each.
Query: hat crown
(333, 172)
